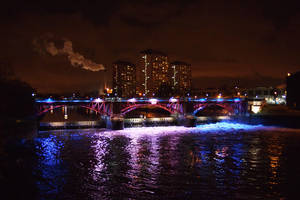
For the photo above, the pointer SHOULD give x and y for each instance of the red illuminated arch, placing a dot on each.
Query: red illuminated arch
(59, 106)
(135, 106)
(226, 107)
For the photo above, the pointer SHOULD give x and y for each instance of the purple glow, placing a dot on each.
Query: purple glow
(173, 100)
(217, 128)
(98, 100)
(153, 101)
(133, 100)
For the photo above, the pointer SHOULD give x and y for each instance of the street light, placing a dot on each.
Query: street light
(153, 101)
(173, 100)
(133, 100)
(98, 100)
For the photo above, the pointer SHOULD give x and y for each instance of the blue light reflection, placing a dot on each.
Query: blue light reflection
(227, 127)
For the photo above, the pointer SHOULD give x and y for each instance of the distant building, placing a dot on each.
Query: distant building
(153, 72)
(181, 78)
(292, 87)
(124, 79)
(269, 94)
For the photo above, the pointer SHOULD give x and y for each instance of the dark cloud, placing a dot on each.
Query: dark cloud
(219, 38)
(280, 12)
(151, 14)
(99, 12)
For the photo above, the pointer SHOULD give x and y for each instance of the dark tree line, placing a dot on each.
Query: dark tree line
(16, 100)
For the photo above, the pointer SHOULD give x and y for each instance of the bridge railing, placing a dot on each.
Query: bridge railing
(142, 100)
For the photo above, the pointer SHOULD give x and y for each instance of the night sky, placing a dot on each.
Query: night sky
(63, 46)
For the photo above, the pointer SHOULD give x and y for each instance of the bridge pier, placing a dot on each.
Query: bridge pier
(186, 120)
(115, 121)
(189, 120)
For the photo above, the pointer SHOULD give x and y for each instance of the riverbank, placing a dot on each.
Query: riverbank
(16, 157)
(278, 110)
(273, 115)
(270, 120)
(14, 131)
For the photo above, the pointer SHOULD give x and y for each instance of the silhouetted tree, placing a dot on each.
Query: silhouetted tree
(16, 96)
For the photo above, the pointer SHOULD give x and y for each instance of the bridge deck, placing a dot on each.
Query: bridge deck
(133, 100)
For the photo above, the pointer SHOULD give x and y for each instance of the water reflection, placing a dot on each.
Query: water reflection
(164, 163)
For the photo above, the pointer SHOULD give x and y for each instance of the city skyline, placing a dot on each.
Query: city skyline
(152, 75)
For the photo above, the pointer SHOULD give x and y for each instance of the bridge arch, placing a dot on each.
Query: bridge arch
(60, 106)
(136, 106)
(225, 107)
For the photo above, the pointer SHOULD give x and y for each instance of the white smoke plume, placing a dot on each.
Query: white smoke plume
(76, 59)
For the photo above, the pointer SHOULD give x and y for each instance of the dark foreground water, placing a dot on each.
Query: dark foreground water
(215, 161)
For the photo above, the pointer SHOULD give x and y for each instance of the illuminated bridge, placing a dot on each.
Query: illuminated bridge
(113, 110)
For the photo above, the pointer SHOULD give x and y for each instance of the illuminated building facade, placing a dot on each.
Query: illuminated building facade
(181, 78)
(153, 72)
(124, 79)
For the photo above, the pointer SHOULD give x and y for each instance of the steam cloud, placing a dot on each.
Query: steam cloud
(76, 59)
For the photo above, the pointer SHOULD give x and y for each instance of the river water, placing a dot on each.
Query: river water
(212, 161)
